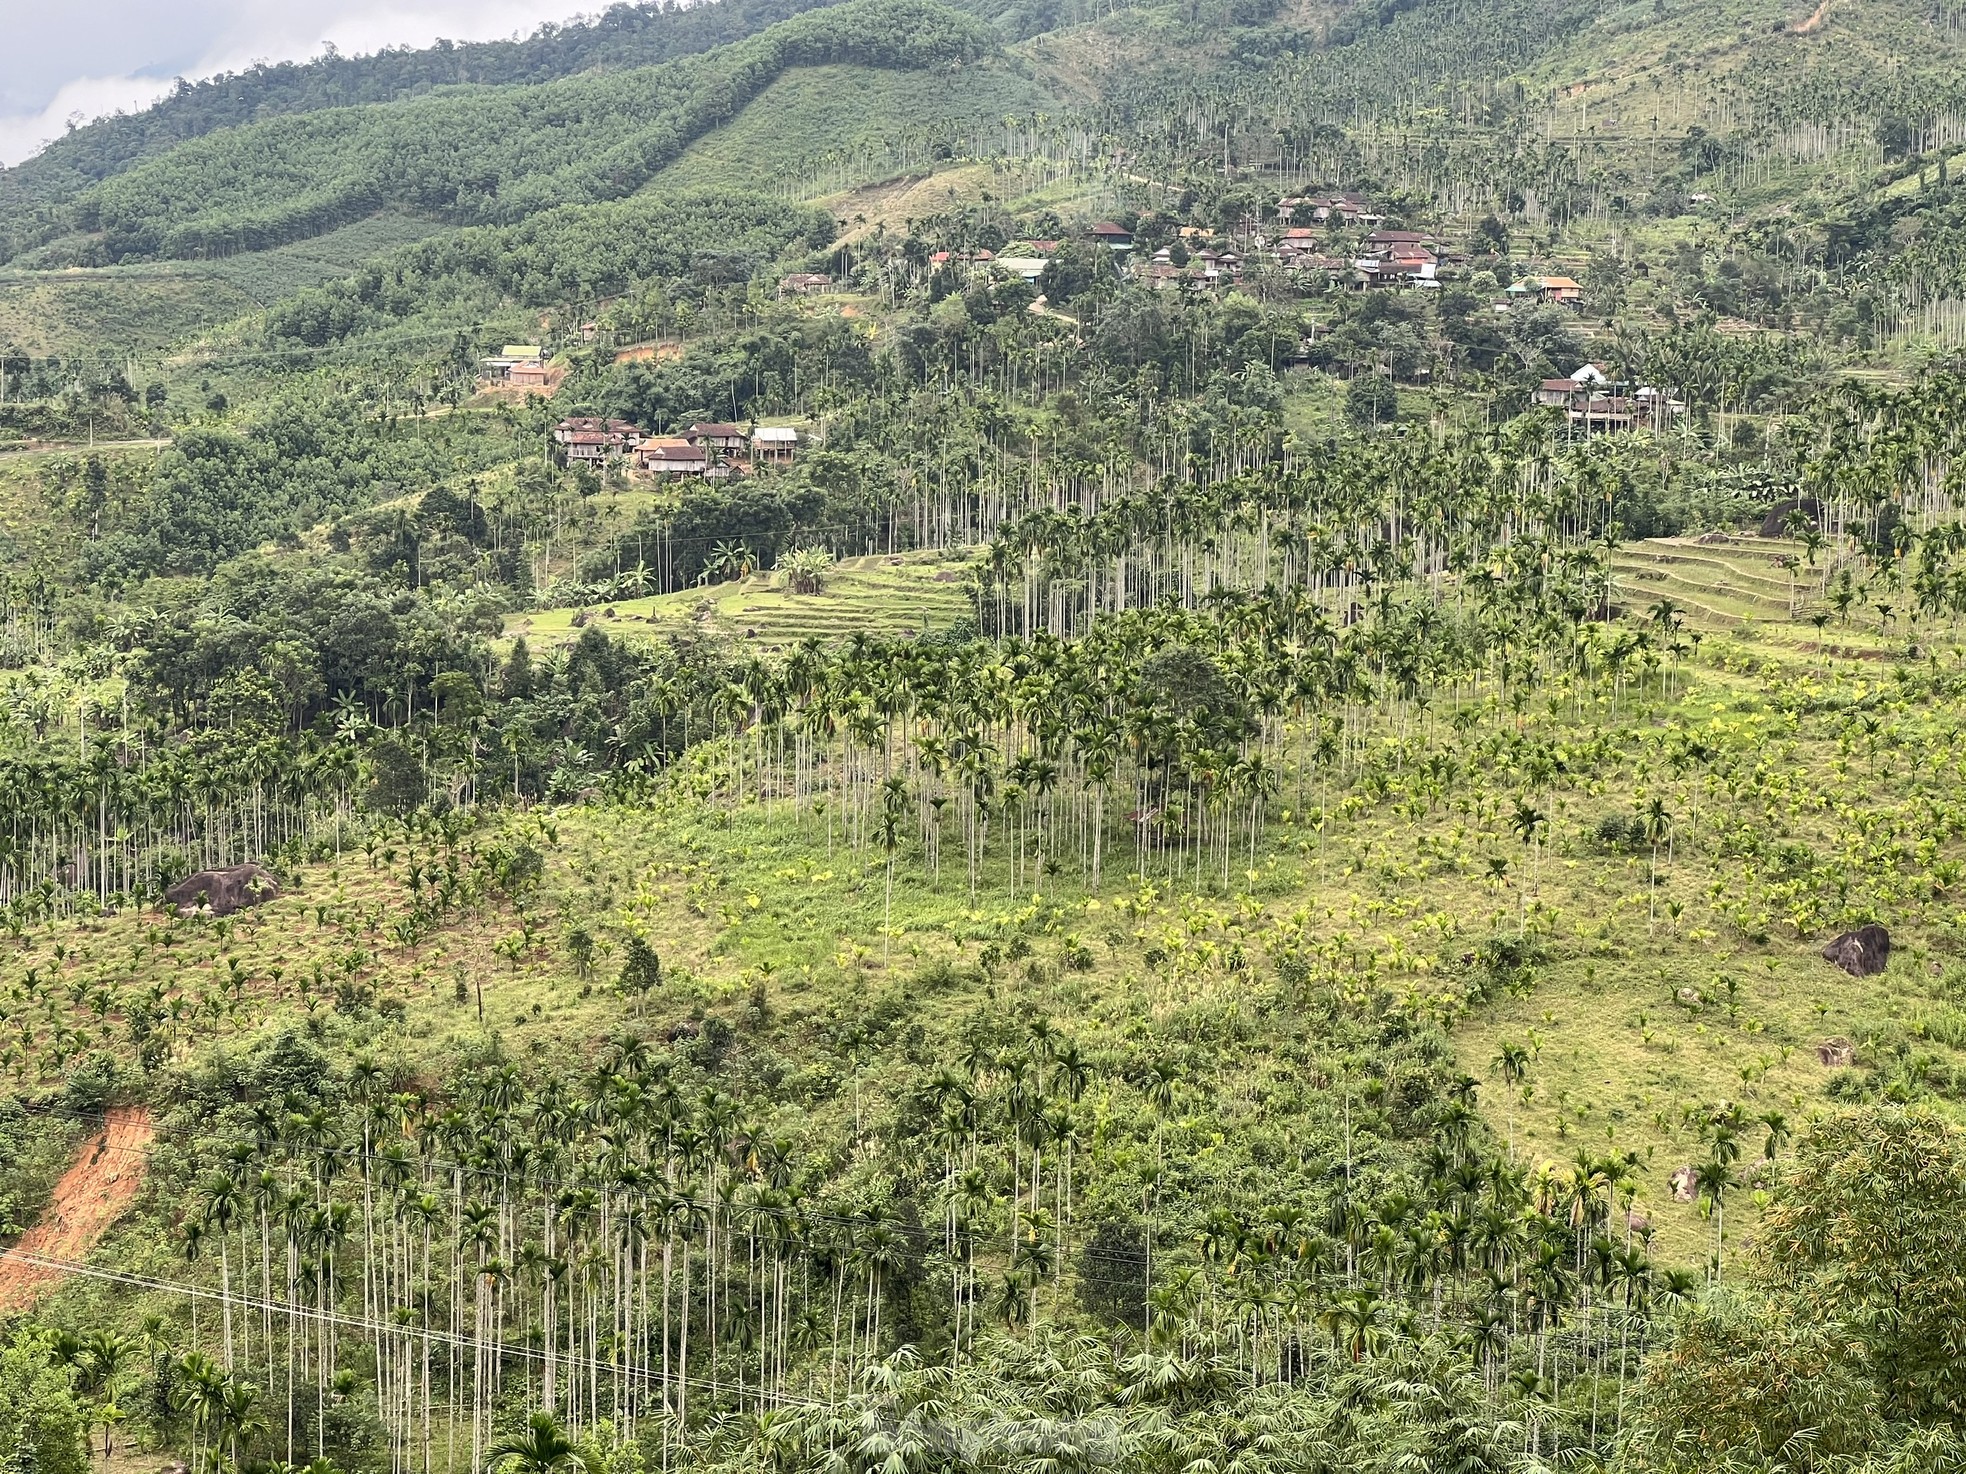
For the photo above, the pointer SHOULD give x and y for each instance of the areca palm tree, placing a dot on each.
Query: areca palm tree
(1528, 822)
(1512, 1062)
(541, 1447)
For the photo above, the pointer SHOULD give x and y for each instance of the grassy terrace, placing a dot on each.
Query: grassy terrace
(894, 594)
(1763, 590)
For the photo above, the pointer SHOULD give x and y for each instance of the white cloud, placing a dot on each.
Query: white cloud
(301, 28)
(22, 134)
(228, 35)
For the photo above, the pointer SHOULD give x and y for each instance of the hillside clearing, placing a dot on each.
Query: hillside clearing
(97, 1190)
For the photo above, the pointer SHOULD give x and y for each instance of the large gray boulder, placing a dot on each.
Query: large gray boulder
(1776, 523)
(1861, 952)
(223, 891)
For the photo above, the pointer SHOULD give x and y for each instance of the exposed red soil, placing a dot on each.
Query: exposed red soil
(93, 1193)
(645, 352)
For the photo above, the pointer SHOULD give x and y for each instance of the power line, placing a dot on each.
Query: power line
(649, 1377)
(543, 1185)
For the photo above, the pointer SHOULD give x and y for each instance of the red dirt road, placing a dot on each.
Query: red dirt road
(93, 1193)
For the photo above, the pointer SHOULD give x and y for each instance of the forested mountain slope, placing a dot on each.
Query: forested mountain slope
(571, 255)
(485, 155)
(818, 127)
(1502, 86)
(622, 37)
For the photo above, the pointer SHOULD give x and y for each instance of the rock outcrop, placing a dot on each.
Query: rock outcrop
(223, 891)
(1861, 952)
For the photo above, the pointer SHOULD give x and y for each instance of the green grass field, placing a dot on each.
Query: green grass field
(1767, 593)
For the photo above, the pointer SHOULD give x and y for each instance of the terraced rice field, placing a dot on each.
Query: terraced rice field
(1742, 586)
(898, 594)
(1737, 586)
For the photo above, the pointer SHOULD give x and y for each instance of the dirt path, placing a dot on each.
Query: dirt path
(79, 447)
(1816, 18)
(92, 1194)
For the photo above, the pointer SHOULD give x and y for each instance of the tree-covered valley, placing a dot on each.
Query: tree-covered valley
(889, 737)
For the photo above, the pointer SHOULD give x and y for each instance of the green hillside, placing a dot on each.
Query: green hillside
(892, 596)
(822, 128)
(1202, 738)
(481, 155)
(33, 193)
(148, 307)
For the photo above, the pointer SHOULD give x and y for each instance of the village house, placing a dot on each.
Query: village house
(774, 445)
(1595, 400)
(976, 263)
(587, 441)
(804, 284)
(1347, 209)
(1028, 268)
(1118, 237)
(671, 455)
(1604, 414)
(620, 432)
(1217, 269)
(719, 438)
(1396, 258)
(1388, 242)
(1558, 289)
(585, 449)
(1372, 271)
(515, 363)
(1301, 250)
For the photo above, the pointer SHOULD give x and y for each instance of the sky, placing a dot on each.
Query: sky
(63, 58)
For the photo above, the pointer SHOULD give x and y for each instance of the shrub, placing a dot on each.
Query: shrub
(804, 570)
(1112, 1274)
(641, 968)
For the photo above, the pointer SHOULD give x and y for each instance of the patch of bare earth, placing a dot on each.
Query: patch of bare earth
(96, 1190)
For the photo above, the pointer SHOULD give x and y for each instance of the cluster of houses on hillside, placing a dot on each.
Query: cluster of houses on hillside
(1595, 399)
(1397, 258)
(1302, 243)
(1322, 209)
(1313, 237)
(709, 450)
(1205, 269)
